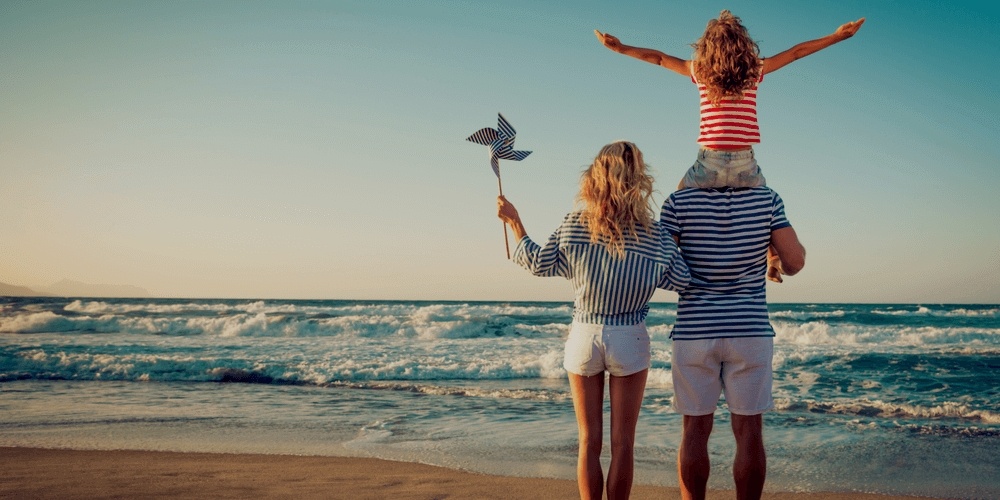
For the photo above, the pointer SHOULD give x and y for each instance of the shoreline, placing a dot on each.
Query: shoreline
(68, 473)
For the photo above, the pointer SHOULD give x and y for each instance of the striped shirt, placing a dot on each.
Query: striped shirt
(732, 123)
(608, 290)
(724, 235)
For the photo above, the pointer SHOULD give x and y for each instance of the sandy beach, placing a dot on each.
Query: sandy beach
(52, 473)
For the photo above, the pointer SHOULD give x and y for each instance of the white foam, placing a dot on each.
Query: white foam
(821, 333)
(802, 315)
(875, 408)
(992, 312)
(424, 325)
(660, 378)
(38, 322)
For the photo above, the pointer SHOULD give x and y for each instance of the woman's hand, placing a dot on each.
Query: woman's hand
(506, 211)
(847, 30)
(508, 214)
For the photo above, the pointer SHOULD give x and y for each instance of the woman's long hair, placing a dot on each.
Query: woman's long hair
(726, 59)
(616, 191)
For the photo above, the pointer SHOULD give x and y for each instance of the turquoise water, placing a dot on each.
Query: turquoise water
(878, 398)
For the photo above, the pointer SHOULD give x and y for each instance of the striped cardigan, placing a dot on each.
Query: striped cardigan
(608, 290)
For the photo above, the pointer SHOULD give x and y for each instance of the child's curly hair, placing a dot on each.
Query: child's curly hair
(616, 191)
(726, 59)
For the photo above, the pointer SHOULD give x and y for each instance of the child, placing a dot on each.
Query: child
(727, 68)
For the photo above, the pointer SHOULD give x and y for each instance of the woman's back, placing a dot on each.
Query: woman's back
(609, 289)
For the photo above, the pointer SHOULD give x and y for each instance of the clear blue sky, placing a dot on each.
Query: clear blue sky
(316, 149)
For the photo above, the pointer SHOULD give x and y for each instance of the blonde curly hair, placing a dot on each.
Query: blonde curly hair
(726, 59)
(616, 192)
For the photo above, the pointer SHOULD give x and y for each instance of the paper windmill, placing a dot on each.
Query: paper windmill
(501, 143)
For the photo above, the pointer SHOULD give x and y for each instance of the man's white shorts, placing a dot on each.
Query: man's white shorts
(739, 367)
(592, 349)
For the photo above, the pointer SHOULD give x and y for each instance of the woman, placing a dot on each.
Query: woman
(616, 256)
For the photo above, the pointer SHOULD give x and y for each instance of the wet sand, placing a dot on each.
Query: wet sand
(53, 473)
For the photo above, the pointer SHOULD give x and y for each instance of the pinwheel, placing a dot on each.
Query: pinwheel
(501, 143)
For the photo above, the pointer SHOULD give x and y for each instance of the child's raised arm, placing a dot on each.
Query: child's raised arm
(803, 49)
(656, 57)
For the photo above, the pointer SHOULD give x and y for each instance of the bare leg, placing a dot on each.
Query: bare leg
(693, 465)
(588, 402)
(626, 401)
(750, 466)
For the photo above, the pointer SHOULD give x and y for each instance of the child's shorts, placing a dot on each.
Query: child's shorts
(739, 367)
(592, 349)
(716, 169)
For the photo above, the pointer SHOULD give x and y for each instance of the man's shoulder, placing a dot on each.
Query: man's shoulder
(700, 195)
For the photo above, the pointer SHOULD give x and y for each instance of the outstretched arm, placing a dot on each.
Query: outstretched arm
(656, 57)
(803, 49)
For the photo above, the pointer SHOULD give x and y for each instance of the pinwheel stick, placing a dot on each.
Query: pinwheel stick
(505, 243)
(501, 143)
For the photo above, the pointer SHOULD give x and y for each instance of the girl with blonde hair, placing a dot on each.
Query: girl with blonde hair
(727, 68)
(616, 256)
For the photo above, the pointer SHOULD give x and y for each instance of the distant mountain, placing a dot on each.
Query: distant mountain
(70, 288)
(18, 291)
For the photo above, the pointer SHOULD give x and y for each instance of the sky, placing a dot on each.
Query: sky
(316, 150)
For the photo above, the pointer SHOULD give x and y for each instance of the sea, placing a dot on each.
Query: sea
(877, 398)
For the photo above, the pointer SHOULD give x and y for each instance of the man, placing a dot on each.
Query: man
(723, 340)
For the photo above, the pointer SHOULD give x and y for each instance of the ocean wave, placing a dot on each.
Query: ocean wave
(475, 392)
(921, 310)
(424, 325)
(873, 408)
(807, 315)
(291, 319)
(822, 333)
(987, 312)
(889, 316)
(660, 378)
(290, 368)
(103, 308)
(947, 430)
(42, 322)
(429, 311)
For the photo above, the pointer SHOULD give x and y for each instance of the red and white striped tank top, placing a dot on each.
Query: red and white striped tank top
(730, 125)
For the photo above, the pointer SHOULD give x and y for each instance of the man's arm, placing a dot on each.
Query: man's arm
(676, 64)
(803, 49)
(791, 255)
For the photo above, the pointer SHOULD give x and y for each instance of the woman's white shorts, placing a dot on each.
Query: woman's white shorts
(592, 349)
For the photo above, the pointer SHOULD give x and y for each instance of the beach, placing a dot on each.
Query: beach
(52, 473)
(471, 386)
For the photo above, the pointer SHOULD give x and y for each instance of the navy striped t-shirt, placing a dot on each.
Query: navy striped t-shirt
(724, 235)
(609, 290)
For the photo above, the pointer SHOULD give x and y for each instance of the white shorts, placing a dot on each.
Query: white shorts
(592, 349)
(739, 367)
